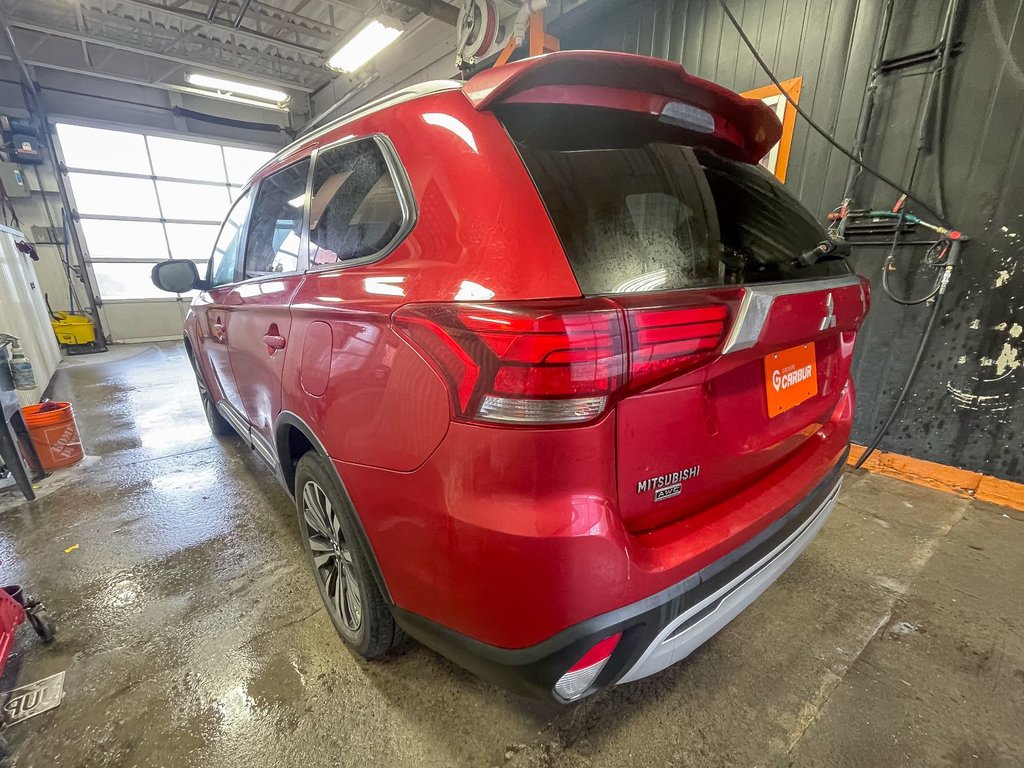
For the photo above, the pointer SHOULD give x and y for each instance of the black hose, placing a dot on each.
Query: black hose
(906, 385)
(939, 119)
(868, 105)
(905, 302)
(953, 242)
(891, 259)
(821, 131)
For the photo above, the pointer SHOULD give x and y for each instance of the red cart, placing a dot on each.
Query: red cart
(15, 607)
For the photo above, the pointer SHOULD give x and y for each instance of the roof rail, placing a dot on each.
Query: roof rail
(321, 125)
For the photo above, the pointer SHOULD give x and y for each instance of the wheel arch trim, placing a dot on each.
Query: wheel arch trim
(288, 420)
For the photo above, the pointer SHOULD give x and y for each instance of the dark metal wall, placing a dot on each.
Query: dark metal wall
(967, 406)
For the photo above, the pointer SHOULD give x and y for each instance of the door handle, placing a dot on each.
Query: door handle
(217, 329)
(274, 341)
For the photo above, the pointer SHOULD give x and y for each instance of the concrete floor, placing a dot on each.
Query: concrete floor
(192, 634)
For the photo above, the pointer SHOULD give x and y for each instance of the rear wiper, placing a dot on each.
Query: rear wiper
(826, 250)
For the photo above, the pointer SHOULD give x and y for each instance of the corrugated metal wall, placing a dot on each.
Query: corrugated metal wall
(967, 407)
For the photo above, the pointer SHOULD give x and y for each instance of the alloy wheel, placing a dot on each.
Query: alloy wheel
(332, 557)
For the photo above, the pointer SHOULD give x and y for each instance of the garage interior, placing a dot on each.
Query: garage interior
(188, 630)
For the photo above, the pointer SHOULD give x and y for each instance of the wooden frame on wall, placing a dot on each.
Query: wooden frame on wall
(777, 160)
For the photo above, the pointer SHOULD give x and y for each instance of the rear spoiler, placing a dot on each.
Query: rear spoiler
(633, 83)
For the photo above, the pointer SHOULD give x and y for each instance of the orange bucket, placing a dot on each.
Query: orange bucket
(54, 433)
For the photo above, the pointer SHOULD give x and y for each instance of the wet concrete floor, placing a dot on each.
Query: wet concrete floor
(193, 636)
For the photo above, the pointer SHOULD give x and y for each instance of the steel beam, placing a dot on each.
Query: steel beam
(160, 34)
(242, 10)
(277, 18)
(267, 79)
(435, 9)
(214, 24)
(106, 21)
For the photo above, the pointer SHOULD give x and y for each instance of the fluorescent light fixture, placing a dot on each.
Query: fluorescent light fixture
(364, 45)
(232, 87)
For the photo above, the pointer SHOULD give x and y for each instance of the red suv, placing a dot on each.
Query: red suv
(559, 377)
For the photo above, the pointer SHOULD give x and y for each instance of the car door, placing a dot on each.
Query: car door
(215, 306)
(272, 269)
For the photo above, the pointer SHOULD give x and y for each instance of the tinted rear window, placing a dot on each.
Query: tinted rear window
(666, 216)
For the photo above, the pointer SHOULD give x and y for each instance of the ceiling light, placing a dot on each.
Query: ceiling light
(230, 86)
(364, 45)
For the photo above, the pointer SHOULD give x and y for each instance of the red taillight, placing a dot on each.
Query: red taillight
(552, 362)
(672, 338)
(538, 362)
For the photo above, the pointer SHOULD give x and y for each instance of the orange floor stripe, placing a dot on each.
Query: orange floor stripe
(930, 474)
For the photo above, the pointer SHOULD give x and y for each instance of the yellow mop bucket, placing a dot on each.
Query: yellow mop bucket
(73, 329)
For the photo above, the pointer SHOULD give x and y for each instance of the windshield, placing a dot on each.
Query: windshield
(668, 216)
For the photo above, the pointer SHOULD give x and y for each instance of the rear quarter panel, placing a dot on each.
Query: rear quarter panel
(481, 232)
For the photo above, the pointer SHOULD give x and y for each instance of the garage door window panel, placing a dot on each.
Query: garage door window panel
(193, 202)
(178, 159)
(142, 199)
(356, 211)
(114, 239)
(191, 241)
(103, 150)
(241, 163)
(274, 241)
(126, 280)
(100, 195)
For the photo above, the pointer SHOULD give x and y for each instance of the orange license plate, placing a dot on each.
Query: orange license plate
(790, 377)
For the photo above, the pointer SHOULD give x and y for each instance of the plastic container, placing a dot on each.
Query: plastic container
(73, 329)
(21, 369)
(54, 433)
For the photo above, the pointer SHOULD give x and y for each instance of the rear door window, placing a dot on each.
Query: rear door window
(667, 216)
(275, 229)
(356, 211)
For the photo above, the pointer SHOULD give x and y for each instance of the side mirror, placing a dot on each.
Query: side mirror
(176, 276)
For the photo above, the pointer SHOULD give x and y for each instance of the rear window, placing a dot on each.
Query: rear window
(654, 217)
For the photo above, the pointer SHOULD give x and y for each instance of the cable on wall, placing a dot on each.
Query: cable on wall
(817, 128)
(948, 249)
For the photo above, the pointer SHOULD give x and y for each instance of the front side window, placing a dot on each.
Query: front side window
(225, 252)
(275, 227)
(356, 211)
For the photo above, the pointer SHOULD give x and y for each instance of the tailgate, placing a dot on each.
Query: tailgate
(740, 312)
(702, 436)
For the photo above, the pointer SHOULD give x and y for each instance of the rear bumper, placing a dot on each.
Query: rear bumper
(657, 631)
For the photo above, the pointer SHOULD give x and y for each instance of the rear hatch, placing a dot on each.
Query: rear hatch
(740, 313)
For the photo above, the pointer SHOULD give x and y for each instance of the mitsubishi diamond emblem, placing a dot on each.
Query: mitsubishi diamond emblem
(829, 320)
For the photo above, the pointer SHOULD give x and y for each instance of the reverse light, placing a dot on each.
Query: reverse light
(581, 675)
(364, 45)
(232, 87)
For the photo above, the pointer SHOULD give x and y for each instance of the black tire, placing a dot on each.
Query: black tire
(341, 569)
(218, 424)
(42, 624)
(5, 749)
